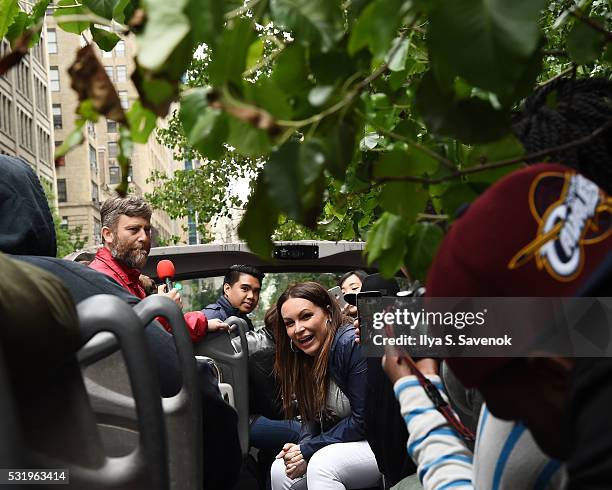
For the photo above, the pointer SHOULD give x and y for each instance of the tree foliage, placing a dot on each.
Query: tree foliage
(352, 118)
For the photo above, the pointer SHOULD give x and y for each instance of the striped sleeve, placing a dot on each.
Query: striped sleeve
(443, 460)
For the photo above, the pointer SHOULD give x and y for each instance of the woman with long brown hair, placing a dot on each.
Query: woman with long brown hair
(322, 379)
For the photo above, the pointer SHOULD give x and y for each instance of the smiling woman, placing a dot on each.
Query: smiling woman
(320, 366)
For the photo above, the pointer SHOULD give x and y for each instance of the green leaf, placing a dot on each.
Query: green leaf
(472, 120)
(206, 128)
(318, 96)
(104, 39)
(103, 8)
(503, 149)
(422, 246)
(316, 22)
(456, 196)
(39, 10)
(124, 9)
(289, 72)
(401, 163)
(386, 243)
(70, 7)
(20, 23)
(9, 9)
(397, 62)
(267, 95)
(156, 92)
(331, 67)
(406, 199)
(165, 29)
(292, 177)
(484, 41)
(86, 109)
(229, 59)
(210, 133)
(248, 140)
(254, 53)
(340, 145)
(584, 44)
(142, 122)
(259, 221)
(23, 22)
(376, 27)
(206, 17)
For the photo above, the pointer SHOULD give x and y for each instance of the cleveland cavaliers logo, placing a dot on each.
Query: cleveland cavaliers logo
(579, 217)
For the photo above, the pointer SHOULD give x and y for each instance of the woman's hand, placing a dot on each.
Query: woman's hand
(357, 331)
(295, 464)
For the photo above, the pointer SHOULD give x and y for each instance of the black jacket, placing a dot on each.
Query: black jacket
(223, 309)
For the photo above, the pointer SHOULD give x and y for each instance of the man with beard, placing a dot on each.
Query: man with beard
(126, 234)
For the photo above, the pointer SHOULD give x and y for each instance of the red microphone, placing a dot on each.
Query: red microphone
(166, 271)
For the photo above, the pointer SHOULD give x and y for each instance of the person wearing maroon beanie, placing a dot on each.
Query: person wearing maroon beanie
(545, 230)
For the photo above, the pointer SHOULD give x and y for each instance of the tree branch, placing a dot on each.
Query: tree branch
(241, 10)
(502, 163)
(558, 75)
(593, 24)
(350, 96)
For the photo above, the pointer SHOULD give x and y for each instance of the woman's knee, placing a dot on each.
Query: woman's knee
(322, 467)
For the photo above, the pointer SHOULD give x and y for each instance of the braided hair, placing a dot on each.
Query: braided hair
(566, 110)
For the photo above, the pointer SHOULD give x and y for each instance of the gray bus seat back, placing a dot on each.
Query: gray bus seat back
(110, 391)
(183, 411)
(234, 370)
(146, 466)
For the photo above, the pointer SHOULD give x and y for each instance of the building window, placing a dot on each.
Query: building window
(44, 145)
(26, 137)
(93, 161)
(62, 195)
(120, 48)
(94, 193)
(114, 175)
(54, 78)
(51, 41)
(64, 222)
(111, 126)
(123, 98)
(23, 78)
(110, 72)
(91, 129)
(97, 231)
(121, 73)
(57, 116)
(112, 149)
(6, 114)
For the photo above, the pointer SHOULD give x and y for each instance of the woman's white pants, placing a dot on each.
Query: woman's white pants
(345, 465)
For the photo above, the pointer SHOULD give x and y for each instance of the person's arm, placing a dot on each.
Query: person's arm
(442, 459)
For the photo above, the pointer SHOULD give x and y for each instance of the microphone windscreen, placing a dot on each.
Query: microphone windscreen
(165, 269)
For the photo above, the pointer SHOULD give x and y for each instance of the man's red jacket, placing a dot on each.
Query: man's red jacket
(105, 263)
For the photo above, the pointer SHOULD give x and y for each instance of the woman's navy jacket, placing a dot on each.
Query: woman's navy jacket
(348, 369)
